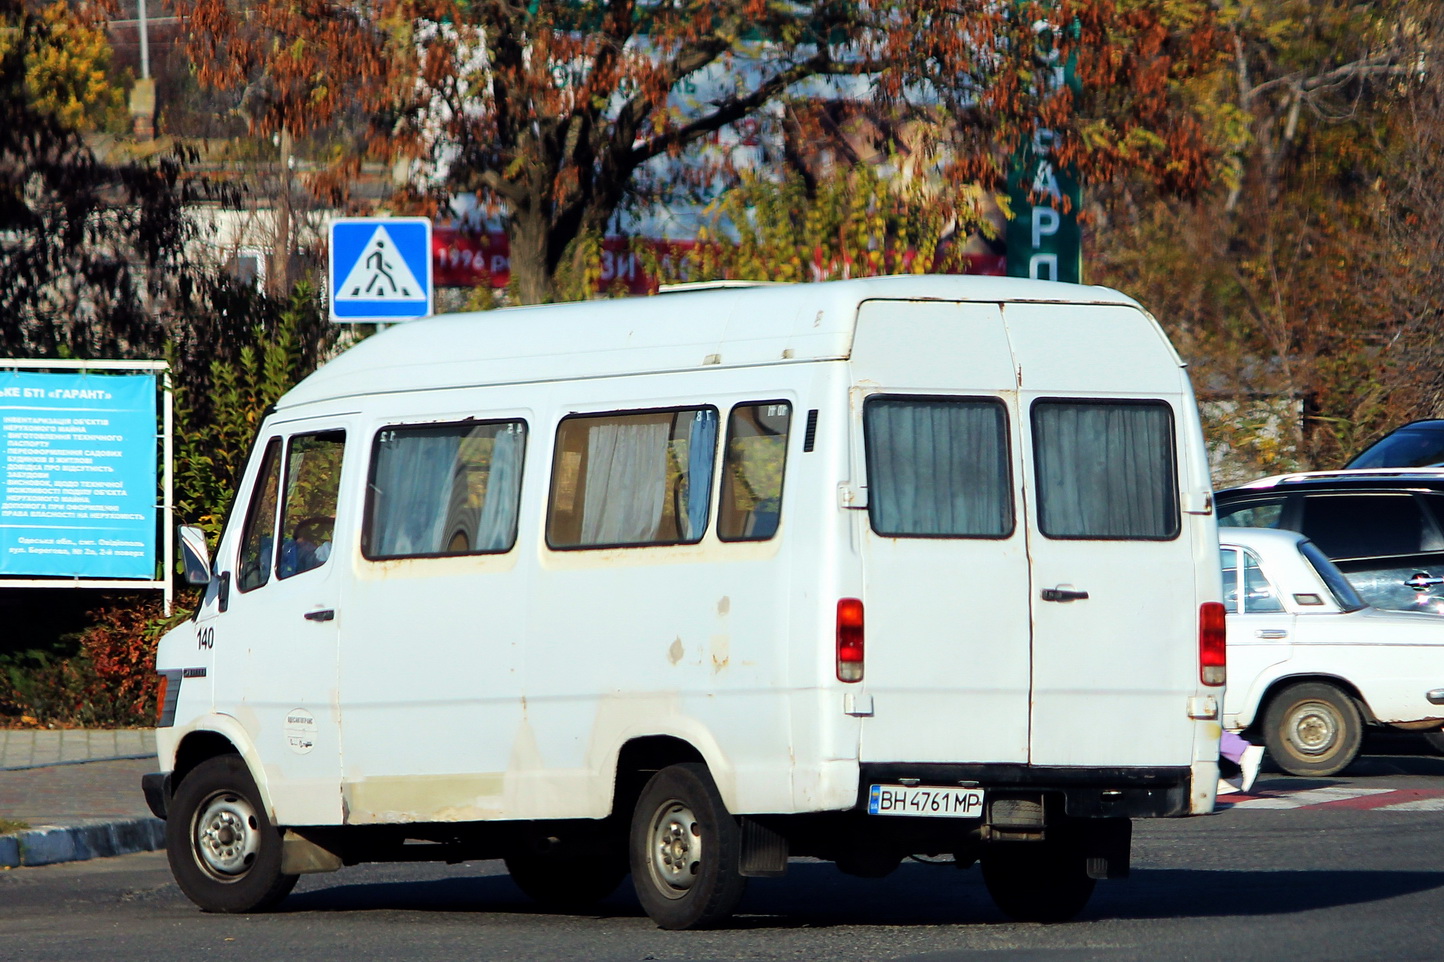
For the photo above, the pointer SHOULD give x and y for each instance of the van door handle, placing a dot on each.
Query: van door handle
(325, 614)
(1271, 633)
(1064, 593)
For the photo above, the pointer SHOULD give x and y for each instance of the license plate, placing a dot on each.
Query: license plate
(931, 800)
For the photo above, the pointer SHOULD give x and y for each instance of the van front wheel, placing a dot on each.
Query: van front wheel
(1036, 881)
(685, 849)
(1313, 729)
(223, 851)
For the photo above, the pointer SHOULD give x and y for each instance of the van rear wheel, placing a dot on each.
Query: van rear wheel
(223, 851)
(685, 849)
(1036, 881)
(1313, 728)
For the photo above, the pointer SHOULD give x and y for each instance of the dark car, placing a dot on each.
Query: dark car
(1415, 445)
(1383, 528)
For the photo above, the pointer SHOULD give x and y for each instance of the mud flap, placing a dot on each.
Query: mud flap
(1106, 846)
(763, 852)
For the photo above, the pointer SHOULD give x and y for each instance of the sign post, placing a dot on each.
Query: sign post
(380, 269)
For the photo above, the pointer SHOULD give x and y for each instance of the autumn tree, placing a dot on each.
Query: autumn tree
(78, 233)
(1271, 283)
(563, 113)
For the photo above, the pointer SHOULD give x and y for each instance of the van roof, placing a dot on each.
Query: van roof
(727, 327)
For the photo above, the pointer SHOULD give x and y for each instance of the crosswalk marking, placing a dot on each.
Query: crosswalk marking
(1338, 796)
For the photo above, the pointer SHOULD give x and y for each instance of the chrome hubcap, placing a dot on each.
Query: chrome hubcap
(1314, 729)
(676, 849)
(226, 836)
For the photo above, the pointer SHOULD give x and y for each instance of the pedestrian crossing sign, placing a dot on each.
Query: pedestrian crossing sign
(380, 268)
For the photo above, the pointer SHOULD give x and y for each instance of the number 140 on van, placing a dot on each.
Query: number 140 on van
(925, 800)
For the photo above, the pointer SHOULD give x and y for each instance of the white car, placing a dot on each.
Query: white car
(1310, 665)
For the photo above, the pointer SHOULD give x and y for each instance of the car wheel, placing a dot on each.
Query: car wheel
(1313, 729)
(1036, 881)
(567, 882)
(685, 849)
(224, 852)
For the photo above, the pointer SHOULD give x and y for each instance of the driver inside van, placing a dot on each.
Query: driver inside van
(308, 548)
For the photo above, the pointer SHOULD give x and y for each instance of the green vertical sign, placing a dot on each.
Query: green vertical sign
(1044, 241)
(1043, 236)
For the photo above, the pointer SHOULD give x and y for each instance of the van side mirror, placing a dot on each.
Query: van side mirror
(194, 554)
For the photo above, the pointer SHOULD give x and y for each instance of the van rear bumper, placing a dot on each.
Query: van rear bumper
(1086, 792)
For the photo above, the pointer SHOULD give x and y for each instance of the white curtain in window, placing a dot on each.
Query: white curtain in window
(497, 528)
(938, 468)
(409, 517)
(626, 481)
(1105, 470)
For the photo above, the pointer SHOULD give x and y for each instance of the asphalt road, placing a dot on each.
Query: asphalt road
(1353, 870)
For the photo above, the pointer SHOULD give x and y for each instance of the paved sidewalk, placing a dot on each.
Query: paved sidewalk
(79, 791)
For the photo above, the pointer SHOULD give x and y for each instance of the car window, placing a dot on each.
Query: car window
(1259, 596)
(444, 489)
(1343, 592)
(308, 515)
(258, 536)
(1366, 525)
(752, 469)
(1252, 514)
(1228, 557)
(1411, 446)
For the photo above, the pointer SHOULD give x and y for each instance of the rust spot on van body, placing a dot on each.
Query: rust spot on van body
(676, 651)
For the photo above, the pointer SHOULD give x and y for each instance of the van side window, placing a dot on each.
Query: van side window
(308, 518)
(444, 489)
(259, 535)
(752, 466)
(635, 478)
(937, 467)
(1105, 469)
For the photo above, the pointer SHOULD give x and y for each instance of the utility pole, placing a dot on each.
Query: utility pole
(142, 96)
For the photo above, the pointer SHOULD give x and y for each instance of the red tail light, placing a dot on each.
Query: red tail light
(1212, 644)
(849, 639)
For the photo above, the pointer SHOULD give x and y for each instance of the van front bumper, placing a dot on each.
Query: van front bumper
(1085, 792)
(156, 786)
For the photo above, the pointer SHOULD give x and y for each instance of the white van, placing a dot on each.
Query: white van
(685, 585)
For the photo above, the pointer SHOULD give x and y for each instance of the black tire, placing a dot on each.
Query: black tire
(567, 882)
(1037, 881)
(1313, 728)
(685, 849)
(223, 851)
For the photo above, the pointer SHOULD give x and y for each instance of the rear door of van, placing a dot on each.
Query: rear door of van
(1114, 589)
(1029, 580)
(947, 664)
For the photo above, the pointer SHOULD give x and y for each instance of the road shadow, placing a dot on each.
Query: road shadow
(816, 895)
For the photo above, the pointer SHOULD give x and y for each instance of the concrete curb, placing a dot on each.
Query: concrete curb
(48, 845)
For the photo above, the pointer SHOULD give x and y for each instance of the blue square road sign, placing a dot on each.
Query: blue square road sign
(380, 268)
